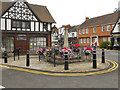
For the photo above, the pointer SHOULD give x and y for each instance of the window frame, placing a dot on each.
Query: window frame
(73, 34)
(87, 31)
(83, 31)
(80, 31)
(104, 39)
(88, 40)
(84, 40)
(94, 30)
(109, 39)
(102, 28)
(108, 28)
(81, 41)
(21, 25)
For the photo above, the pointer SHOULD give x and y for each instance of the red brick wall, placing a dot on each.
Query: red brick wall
(90, 33)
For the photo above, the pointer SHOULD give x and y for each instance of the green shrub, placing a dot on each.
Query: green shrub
(104, 44)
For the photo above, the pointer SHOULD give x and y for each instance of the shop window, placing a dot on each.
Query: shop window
(36, 42)
(8, 43)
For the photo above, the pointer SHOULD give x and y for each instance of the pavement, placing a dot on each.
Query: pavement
(46, 66)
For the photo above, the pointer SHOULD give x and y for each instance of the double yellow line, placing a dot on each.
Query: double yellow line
(114, 67)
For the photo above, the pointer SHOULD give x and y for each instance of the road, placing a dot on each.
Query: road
(20, 79)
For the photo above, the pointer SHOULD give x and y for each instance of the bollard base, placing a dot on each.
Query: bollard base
(66, 66)
(94, 64)
(103, 59)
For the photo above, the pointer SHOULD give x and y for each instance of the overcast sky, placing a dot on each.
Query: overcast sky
(73, 12)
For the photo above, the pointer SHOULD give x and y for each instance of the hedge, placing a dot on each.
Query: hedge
(104, 44)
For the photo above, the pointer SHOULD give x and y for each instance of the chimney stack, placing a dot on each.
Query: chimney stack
(87, 18)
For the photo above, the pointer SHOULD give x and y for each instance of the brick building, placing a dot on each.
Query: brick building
(96, 29)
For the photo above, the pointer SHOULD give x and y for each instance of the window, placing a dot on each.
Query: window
(84, 40)
(16, 24)
(103, 28)
(94, 30)
(80, 31)
(81, 40)
(104, 39)
(86, 30)
(36, 42)
(108, 27)
(73, 35)
(109, 39)
(8, 43)
(88, 40)
(21, 24)
(45, 26)
(26, 25)
(83, 31)
(112, 26)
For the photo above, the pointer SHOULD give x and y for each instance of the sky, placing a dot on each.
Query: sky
(73, 12)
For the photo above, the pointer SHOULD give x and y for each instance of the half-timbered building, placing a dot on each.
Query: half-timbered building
(25, 26)
(115, 33)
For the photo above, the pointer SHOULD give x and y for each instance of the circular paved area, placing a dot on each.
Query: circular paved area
(76, 69)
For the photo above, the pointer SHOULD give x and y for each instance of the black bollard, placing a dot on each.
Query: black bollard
(27, 61)
(94, 59)
(5, 57)
(54, 58)
(103, 56)
(14, 55)
(66, 61)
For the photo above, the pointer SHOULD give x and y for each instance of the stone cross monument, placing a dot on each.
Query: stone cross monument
(66, 44)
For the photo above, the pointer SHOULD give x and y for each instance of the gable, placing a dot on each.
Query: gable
(20, 11)
(41, 13)
(116, 28)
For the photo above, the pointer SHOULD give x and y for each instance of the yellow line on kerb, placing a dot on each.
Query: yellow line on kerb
(115, 66)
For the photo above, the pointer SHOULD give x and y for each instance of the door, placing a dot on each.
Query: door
(95, 40)
(22, 42)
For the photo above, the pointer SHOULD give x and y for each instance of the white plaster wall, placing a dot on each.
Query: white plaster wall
(116, 29)
(36, 26)
(13, 29)
(23, 29)
(18, 29)
(2, 24)
(41, 26)
(32, 26)
(8, 24)
(48, 26)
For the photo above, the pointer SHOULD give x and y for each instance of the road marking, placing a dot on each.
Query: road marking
(1, 87)
(114, 67)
